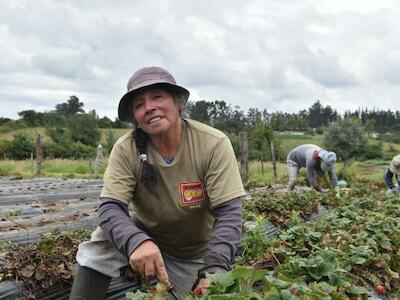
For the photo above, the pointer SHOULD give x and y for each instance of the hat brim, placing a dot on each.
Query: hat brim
(125, 114)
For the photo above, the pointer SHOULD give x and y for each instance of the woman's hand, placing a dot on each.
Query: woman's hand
(147, 261)
(202, 286)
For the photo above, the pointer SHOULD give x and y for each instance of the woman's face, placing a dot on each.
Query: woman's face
(156, 112)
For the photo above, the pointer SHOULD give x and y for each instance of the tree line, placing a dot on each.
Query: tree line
(75, 133)
(228, 118)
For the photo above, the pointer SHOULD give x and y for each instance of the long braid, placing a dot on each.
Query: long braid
(149, 175)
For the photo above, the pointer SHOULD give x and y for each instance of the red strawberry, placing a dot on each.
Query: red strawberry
(198, 292)
(380, 289)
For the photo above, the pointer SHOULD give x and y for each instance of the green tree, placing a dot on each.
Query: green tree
(72, 107)
(252, 115)
(199, 111)
(4, 148)
(110, 140)
(347, 138)
(4, 120)
(320, 116)
(260, 137)
(54, 119)
(83, 128)
(277, 121)
(21, 146)
(30, 117)
(60, 135)
(105, 122)
(119, 124)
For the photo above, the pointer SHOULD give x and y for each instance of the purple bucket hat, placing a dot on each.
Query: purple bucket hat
(143, 79)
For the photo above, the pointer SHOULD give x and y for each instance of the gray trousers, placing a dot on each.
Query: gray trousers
(293, 171)
(100, 255)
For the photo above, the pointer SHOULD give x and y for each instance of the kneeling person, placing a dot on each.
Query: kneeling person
(393, 170)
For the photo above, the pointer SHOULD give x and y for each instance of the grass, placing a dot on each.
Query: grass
(117, 132)
(35, 131)
(290, 141)
(371, 169)
(30, 131)
(50, 168)
(259, 176)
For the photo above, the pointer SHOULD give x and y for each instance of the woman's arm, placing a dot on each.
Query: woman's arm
(225, 237)
(120, 229)
(142, 253)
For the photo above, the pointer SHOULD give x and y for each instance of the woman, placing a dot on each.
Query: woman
(181, 181)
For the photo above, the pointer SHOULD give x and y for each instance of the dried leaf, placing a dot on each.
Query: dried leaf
(27, 272)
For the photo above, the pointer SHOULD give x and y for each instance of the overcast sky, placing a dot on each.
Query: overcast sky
(277, 55)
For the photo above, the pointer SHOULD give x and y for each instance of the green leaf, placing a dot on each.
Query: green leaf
(287, 295)
(338, 280)
(357, 290)
(272, 295)
(249, 275)
(276, 282)
(233, 296)
(321, 270)
(138, 295)
(223, 279)
(357, 260)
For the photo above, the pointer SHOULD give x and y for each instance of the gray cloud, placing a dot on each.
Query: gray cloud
(323, 68)
(265, 54)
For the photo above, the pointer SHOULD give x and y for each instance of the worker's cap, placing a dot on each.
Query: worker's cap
(328, 159)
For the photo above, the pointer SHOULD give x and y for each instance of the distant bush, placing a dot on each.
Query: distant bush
(71, 150)
(4, 148)
(235, 144)
(110, 140)
(10, 125)
(59, 135)
(83, 129)
(390, 137)
(21, 147)
(371, 151)
(309, 131)
(349, 140)
(347, 173)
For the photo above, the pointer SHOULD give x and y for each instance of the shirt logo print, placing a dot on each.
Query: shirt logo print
(191, 193)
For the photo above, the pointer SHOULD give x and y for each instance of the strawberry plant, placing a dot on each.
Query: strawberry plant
(345, 254)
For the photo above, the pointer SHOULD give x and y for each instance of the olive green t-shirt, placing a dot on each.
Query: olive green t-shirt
(203, 174)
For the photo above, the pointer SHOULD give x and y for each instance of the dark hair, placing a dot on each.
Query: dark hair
(149, 174)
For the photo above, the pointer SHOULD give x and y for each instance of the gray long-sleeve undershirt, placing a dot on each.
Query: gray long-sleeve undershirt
(125, 235)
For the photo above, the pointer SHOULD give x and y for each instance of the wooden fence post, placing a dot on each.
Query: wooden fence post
(244, 156)
(39, 155)
(273, 159)
(99, 160)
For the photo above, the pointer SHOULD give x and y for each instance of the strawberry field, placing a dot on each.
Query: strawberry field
(308, 245)
(297, 245)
